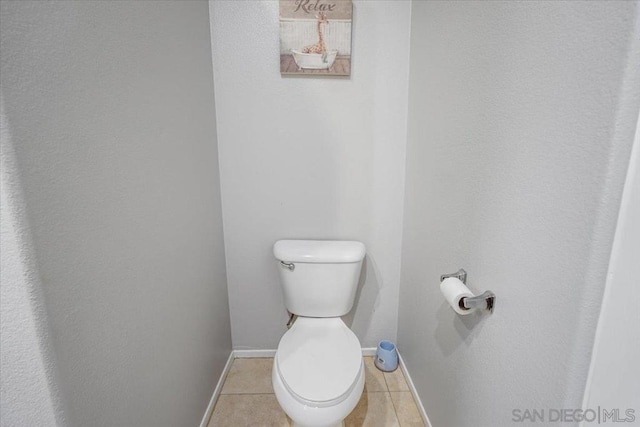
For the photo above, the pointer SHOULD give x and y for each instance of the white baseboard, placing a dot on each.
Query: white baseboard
(216, 391)
(370, 351)
(248, 354)
(414, 392)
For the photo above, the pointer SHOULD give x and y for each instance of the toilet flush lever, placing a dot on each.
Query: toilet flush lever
(288, 265)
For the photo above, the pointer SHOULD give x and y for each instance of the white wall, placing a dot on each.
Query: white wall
(309, 158)
(110, 108)
(613, 376)
(27, 384)
(521, 118)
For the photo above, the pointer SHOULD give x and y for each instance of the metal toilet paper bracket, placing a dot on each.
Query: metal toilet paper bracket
(486, 300)
(460, 275)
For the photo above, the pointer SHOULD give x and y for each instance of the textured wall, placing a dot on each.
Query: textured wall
(613, 377)
(521, 118)
(110, 107)
(27, 385)
(310, 158)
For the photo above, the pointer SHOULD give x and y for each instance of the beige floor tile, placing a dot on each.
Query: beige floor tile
(406, 409)
(396, 381)
(374, 378)
(248, 376)
(235, 410)
(375, 409)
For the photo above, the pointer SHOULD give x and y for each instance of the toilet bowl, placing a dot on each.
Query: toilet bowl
(318, 371)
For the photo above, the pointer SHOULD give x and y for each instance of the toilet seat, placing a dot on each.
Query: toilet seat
(319, 361)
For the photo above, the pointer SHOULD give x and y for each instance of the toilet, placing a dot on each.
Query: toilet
(318, 370)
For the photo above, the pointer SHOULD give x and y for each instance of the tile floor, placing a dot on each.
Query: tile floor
(247, 399)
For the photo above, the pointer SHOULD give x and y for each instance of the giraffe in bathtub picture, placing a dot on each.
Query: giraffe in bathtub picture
(319, 47)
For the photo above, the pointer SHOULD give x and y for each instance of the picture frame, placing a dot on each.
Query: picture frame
(315, 37)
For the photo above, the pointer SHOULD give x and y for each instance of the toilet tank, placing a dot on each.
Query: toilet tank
(319, 278)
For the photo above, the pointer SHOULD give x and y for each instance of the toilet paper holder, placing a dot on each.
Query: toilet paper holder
(486, 300)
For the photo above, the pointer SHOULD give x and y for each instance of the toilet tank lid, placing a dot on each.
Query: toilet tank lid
(319, 251)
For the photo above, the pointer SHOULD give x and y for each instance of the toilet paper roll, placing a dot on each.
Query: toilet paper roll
(454, 290)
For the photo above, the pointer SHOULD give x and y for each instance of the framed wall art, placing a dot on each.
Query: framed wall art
(315, 37)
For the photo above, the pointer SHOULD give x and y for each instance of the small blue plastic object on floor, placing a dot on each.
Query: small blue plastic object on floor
(386, 356)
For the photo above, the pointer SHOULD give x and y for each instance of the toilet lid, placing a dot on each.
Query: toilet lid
(319, 359)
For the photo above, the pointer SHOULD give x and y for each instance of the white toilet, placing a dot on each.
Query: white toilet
(318, 371)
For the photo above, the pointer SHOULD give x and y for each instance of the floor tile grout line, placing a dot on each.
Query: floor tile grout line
(383, 376)
(404, 380)
(385, 380)
(395, 411)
